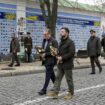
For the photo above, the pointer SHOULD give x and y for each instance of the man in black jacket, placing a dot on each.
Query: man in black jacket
(65, 64)
(14, 49)
(50, 60)
(43, 46)
(103, 42)
(94, 51)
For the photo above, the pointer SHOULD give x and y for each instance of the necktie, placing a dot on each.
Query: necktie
(45, 45)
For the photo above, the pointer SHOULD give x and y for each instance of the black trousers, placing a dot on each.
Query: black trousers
(28, 55)
(93, 60)
(15, 58)
(49, 75)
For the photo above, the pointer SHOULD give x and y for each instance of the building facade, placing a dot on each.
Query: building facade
(23, 15)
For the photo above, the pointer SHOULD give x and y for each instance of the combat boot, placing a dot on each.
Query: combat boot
(68, 96)
(53, 94)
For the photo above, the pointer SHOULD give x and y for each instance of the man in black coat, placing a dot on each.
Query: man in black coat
(94, 51)
(28, 46)
(50, 60)
(43, 46)
(103, 42)
(65, 65)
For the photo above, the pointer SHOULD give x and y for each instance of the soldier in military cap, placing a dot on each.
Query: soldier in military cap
(28, 46)
(94, 51)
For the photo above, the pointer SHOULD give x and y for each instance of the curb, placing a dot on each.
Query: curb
(4, 62)
(37, 71)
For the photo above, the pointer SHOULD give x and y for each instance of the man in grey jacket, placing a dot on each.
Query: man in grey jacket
(94, 51)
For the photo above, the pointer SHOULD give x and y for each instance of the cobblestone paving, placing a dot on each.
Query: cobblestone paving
(19, 89)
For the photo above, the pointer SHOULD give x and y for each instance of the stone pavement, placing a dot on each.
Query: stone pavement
(23, 90)
(36, 67)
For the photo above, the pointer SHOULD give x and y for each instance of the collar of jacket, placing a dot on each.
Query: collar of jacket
(92, 37)
(63, 40)
(49, 39)
(14, 39)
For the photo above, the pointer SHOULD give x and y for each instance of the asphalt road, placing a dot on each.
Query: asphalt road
(22, 90)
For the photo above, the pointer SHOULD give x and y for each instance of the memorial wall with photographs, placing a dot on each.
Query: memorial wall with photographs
(7, 27)
(79, 26)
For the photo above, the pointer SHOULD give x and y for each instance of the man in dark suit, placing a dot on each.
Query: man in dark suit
(103, 42)
(14, 48)
(28, 46)
(50, 60)
(65, 65)
(94, 51)
(43, 46)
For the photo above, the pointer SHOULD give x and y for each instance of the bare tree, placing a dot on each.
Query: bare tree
(49, 11)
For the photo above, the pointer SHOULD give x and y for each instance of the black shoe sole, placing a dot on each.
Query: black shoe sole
(17, 65)
(41, 93)
(100, 71)
(10, 65)
(92, 73)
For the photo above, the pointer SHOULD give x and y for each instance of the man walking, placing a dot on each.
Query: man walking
(50, 60)
(43, 46)
(65, 65)
(103, 42)
(14, 48)
(94, 51)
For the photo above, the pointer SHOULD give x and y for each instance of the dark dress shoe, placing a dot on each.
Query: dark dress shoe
(17, 65)
(92, 73)
(42, 92)
(100, 70)
(10, 65)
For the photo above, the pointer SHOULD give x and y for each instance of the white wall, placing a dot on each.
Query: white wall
(103, 24)
(21, 12)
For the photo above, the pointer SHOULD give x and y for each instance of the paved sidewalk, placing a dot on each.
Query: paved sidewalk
(36, 67)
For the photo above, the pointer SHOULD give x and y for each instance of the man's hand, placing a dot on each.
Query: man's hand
(98, 55)
(54, 53)
(14, 51)
(25, 49)
(59, 58)
(43, 55)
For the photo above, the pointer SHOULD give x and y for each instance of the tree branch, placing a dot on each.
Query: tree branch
(54, 11)
(42, 6)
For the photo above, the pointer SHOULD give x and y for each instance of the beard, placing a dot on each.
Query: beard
(62, 36)
(93, 36)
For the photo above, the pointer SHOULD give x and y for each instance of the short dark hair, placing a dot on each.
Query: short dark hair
(66, 29)
(48, 30)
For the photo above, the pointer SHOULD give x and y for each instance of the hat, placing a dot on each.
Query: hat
(28, 33)
(92, 30)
